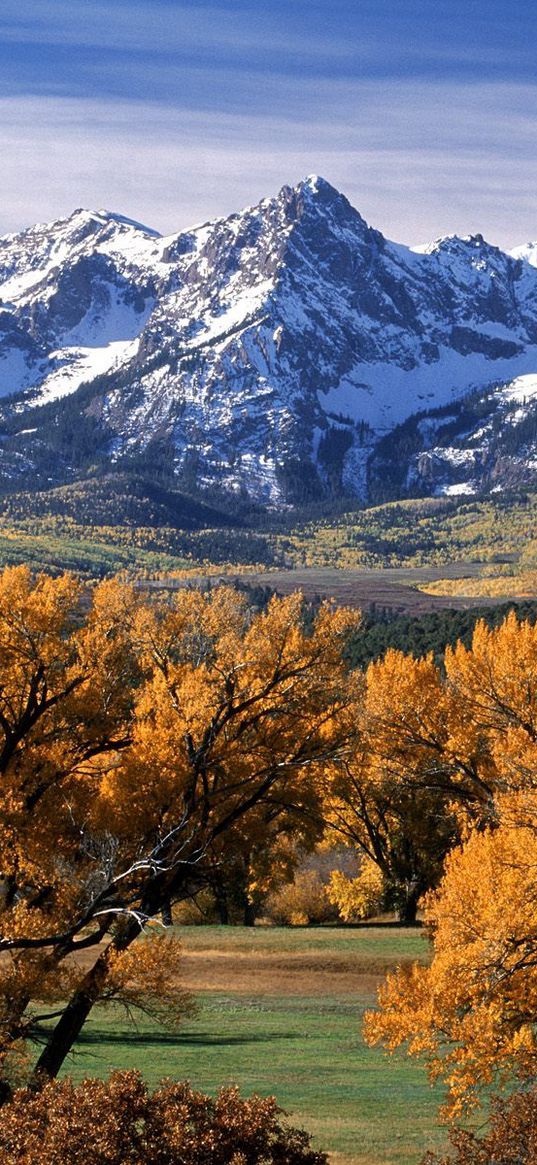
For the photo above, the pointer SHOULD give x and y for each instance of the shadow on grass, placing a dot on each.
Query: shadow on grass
(165, 1039)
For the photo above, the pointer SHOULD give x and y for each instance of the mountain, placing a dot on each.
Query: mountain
(276, 355)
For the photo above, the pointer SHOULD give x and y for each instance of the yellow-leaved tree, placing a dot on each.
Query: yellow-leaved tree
(392, 797)
(136, 736)
(472, 1014)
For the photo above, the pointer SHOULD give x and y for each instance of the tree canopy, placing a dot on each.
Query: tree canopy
(472, 1014)
(137, 736)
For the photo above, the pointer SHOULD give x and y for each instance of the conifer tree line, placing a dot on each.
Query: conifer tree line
(151, 748)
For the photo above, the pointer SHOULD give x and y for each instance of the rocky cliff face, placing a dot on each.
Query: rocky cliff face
(272, 353)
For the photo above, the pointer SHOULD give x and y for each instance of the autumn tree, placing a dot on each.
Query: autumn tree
(260, 854)
(493, 709)
(511, 1138)
(358, 897)
(472, 1015)
(68, 677)
(154, 730)
(391, 799)
(435, 752)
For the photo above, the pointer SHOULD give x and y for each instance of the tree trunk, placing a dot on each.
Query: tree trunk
(221, 902)
(166, 913)
(250, 913)
(222, 909)
(72, 1021)
(408, 906)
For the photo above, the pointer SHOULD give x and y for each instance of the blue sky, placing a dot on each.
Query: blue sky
(424, 112)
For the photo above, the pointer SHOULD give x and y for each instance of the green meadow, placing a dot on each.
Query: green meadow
(280, 1012)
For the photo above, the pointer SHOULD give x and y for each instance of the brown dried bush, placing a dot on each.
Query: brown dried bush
(118, 1122)
(511, 1139)
(300, 902)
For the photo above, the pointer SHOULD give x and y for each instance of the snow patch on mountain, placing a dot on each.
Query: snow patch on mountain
(77, 366)
(270, 351)
(527, 252)
(389, 394)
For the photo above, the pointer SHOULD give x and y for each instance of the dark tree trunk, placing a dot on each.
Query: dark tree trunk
(166, 913)
(222, 909)
(65, 1034)
(250, 913)
(72, 1021)
(221, 902)
(407, 907)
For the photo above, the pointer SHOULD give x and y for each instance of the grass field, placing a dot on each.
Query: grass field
(402, 590)
(280, 1013)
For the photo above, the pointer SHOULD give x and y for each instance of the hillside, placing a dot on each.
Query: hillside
(95, 528)
(115, 500)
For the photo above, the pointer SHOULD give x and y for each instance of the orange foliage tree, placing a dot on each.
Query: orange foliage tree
(472, 1014)
(137, 735)
(511, 1138)
(392, 797)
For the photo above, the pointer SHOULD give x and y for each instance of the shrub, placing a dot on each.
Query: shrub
(511, 1140)
(118, 1122)
(197, 911)
(301, 901)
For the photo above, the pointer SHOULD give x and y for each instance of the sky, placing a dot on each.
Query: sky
(423, 112)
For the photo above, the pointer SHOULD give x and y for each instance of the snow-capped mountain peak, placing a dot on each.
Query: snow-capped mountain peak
(268, 351)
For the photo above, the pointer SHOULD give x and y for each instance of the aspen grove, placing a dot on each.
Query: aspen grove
(153, 747)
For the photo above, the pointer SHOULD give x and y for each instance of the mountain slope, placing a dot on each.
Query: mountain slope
(267, 354)
(485, 442)
(115, 500)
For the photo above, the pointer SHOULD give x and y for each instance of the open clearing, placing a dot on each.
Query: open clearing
(393, 588)
(280, 1013)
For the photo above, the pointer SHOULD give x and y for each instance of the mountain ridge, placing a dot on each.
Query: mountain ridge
(266, 354)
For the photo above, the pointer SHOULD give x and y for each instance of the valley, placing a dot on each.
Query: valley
(286, 1001)
(394, 591)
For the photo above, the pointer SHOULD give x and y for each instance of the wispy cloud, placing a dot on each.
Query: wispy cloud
(384, 37)
(417, 160)
(424, 113)
(166, 28)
